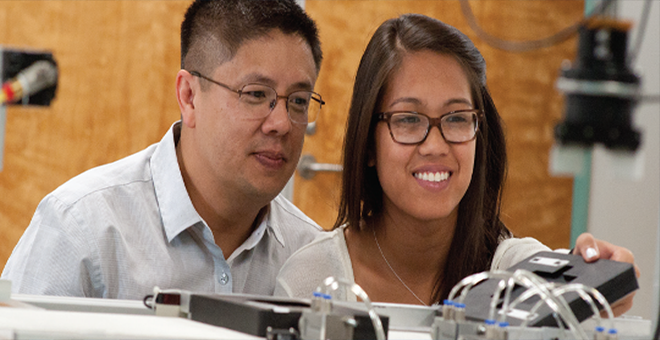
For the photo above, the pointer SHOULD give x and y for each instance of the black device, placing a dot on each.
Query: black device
(612, 279)
(265, 316)
(601, 90)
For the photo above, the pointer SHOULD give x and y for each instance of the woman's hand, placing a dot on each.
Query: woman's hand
(592, 249)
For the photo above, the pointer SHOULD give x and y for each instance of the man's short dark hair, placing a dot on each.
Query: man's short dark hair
(214, 30)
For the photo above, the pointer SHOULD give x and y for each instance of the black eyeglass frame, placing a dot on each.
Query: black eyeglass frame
(273, 103)
(437, 122)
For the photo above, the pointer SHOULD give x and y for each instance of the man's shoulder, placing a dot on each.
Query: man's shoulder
(291, 226)
(287, 215)
(130, 170)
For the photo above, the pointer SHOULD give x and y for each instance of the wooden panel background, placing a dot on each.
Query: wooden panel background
(118, 60)
(522, 85)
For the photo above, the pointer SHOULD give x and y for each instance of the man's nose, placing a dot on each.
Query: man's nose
(278, 120)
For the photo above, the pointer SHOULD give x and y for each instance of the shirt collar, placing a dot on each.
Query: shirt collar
(176, 208)
(273, 220)
(267, 225)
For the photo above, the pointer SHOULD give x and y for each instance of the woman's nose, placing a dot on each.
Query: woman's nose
(435, 142)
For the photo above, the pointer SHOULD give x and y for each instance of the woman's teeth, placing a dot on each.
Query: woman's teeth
(432, 176)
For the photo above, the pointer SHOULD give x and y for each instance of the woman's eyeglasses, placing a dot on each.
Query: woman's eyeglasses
(407, 127)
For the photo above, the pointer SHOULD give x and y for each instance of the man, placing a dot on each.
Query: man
(200, 210)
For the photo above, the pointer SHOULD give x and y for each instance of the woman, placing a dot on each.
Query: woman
(424, 164)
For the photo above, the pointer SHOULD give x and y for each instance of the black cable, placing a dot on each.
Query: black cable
(529, 45)
(634, 52)
(656, 336)
(657, 327)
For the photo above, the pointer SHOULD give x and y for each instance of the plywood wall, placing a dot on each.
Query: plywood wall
(118, 60)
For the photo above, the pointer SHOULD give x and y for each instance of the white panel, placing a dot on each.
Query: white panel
(626, 211)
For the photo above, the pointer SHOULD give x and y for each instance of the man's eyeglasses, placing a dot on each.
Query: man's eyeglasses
(302, 106)
(407, 127)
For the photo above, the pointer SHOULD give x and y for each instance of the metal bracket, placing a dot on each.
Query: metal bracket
(307, 167)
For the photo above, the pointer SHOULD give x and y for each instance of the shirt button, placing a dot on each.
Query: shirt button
(224, 278)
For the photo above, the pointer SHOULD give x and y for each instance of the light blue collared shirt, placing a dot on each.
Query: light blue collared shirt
(120, 229)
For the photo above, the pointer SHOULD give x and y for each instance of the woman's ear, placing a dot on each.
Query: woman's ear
(371, 161)
(185, 95)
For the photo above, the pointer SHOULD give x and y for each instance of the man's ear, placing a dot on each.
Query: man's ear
(185, 95)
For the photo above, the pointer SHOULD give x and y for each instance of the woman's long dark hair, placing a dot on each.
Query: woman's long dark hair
(478, 228)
